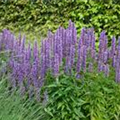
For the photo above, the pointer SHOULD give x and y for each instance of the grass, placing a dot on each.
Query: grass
(13, 106)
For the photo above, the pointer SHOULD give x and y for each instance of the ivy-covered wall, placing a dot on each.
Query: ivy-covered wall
(43, 15)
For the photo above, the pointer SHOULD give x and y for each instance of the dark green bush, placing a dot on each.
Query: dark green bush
(94, 97)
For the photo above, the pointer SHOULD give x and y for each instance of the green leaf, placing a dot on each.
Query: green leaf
(48, 111)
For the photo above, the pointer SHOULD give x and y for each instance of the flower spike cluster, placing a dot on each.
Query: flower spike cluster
(28, 66)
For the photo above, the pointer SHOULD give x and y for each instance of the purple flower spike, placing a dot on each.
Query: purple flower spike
(82, 37)
(60, 52)
(78, 76)
(102, 44)
(28, 54)
(74, 34)
(106, 70)
(72, 55)
(56, 65)
(22, 46)
(114, 61)
(35, 51)
(84, 58)
(88, 39)
(34, 73)
(68, 65)
(117, 75)
(105, 57)
(93, 39)
(70, 24)
(47, 54)
(43, 66)
(113, 47)
(19, 39)
(79, 60)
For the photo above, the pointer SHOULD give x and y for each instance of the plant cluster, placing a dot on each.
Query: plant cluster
(71, 78)
(28, 66)
(92, 98)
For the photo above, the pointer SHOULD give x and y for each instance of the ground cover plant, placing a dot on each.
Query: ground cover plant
(70, 77)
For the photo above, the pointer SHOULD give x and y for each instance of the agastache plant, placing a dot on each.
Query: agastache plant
(28, 66)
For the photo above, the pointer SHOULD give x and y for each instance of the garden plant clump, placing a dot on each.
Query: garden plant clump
(61, 67)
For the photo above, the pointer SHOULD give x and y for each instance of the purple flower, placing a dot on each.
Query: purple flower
(100, 66)
(90, 67)
(102, 44)
(68, 65)
(70, 24)
(72, 55)
(84, 58)
(82, 38)
(73, 32)
(92, 44)
(28, 52)
(93, 39)
(34, 74)
(56, 65)
(22, 46)
(88, 39)
(68, 41)
(113, 46)
(64, 42)
(114, 61)
(43, 66)
(105, 57)
(117, 72)
(78, 76)
(47, 54)
(35, 51)
(79, 59)
(106, 70)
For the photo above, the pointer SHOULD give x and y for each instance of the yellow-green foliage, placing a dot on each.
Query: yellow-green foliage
(42, 15)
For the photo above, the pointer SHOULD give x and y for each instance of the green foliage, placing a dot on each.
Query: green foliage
(4, 56)
(13, 106)
(93, 97)
(16, 107)
(43, 15)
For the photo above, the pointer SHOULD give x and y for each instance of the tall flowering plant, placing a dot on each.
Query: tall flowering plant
(28, 66)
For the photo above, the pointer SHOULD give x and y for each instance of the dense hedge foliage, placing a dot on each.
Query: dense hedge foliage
(24, 15)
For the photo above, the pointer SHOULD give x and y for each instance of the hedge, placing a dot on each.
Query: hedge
(39, 17)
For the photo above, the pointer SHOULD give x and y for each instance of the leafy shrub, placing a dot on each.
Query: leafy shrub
(28, 66)
(93, 97)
